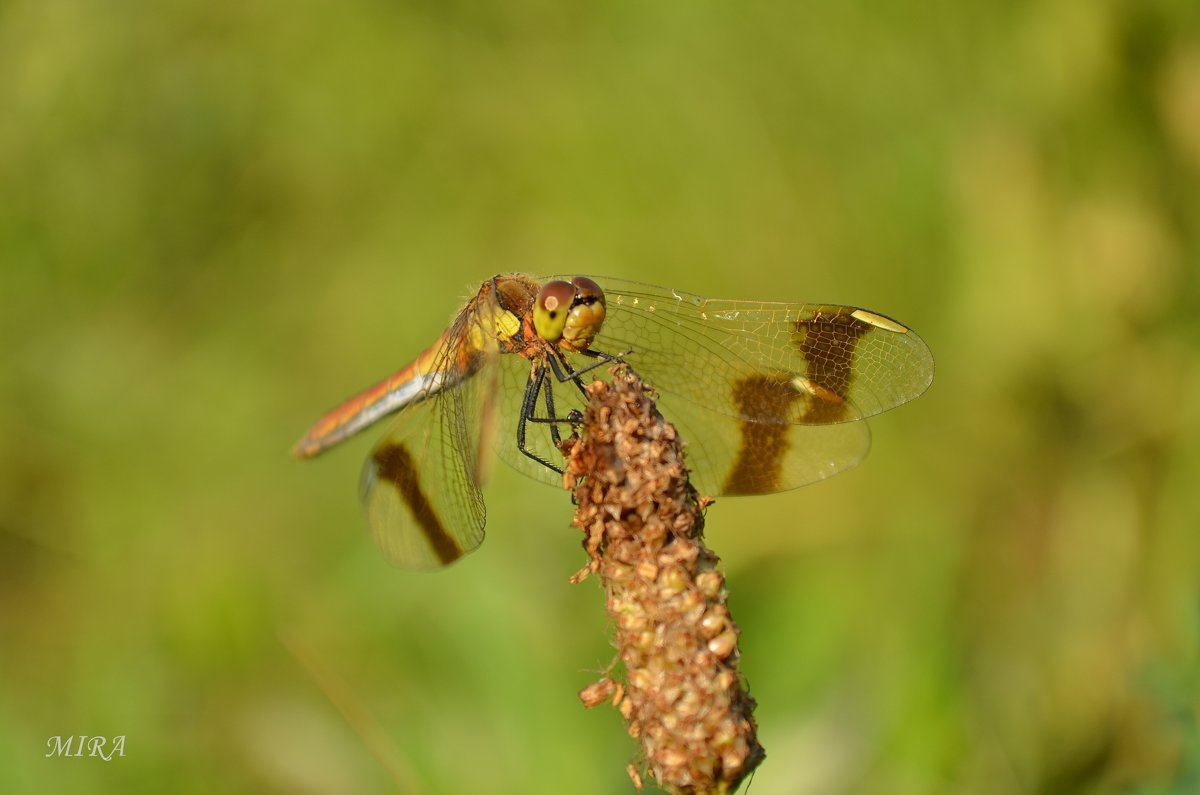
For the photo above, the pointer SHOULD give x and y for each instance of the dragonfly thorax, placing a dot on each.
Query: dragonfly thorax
(569, 314)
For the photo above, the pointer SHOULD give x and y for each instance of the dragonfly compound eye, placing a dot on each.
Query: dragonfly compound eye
(551, 308)
(586, 315)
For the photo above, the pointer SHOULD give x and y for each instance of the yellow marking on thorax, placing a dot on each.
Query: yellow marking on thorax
(879, 321)
(477, 336)
(507, 324)
(492, 325)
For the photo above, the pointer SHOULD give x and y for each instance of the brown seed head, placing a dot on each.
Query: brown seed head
(642, 523)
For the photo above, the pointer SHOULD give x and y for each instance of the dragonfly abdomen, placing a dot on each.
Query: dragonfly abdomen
(424, 377)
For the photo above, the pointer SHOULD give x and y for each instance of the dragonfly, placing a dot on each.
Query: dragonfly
(768, 396)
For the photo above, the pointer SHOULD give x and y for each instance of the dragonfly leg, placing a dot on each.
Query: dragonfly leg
(550, 415)
(574, 417)
(610, 358)
(539, 383)
(533, 389)
(564, 372)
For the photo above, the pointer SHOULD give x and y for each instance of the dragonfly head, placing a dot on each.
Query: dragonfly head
(569, 313)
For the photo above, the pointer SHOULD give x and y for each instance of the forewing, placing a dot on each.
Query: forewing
(421, 486)
(765, 394)
(845, 363)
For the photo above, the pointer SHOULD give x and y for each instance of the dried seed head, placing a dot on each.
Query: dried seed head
(647, 570)
(710, 583)
(597, 692)
(724, 644)
(712, 623)
(642, 523)
(634, 776)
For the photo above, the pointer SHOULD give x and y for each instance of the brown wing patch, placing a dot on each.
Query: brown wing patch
(764, 440)
(774, 403)
(394, 464)
(827, 341)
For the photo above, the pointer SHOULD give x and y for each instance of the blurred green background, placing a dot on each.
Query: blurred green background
(218, 219)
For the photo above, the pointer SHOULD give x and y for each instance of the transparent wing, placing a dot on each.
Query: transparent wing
(845, 363)
(421, 483)
(765, 394)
